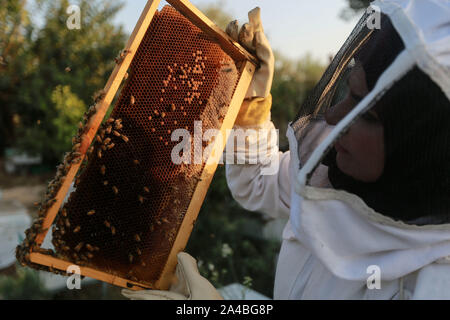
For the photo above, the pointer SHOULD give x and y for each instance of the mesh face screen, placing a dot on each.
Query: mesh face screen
(130, 199)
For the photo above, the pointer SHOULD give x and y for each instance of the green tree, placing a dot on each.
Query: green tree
(14, 62)
(292, 83)
(81, 60)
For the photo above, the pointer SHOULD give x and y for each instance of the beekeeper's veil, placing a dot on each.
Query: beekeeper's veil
(403, 46)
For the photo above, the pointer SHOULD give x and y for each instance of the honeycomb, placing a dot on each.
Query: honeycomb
(130, 199)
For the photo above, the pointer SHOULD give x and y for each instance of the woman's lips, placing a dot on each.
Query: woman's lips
(339, 147)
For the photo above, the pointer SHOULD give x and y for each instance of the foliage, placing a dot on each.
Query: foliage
(80, 60)
(26, 284)
(293, 81)
(215, 12)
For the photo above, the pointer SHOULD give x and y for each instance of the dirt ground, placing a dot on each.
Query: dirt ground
(27, 189)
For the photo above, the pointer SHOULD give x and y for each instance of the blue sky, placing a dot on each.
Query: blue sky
(294, 27)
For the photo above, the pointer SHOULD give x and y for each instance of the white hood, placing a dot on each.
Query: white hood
(347, 236)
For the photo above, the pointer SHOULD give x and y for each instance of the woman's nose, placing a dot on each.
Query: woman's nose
(336, 113)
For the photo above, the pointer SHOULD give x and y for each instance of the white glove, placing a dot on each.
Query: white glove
(190, 286)
(252, 37)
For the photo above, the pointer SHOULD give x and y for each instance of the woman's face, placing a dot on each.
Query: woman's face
(360, 151)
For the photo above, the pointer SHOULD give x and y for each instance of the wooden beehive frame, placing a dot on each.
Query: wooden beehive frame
(247, 67)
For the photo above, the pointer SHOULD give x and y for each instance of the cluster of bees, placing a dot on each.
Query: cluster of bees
(106, 139)
(185, 73)
(70, 158)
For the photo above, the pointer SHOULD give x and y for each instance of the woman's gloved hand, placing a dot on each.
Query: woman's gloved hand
(256, 107)
(190, 285)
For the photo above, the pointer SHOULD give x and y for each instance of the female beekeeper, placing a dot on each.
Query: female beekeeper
(366, 183)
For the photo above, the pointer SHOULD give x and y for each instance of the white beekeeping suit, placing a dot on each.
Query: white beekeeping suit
(344, 233)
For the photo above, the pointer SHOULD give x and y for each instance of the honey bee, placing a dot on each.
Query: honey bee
(90, 213)
(110, 120)
(119, 126)
(125, 77)
(64, 212)
(77, 229)
(99, 95)
(137, 238)
(116, 191)
(66, 248)
(163, 114)
(136, 162)
(105, 183)
(78, 247)
(99, 153)
(96, 248)
(107, 140)
(165, 220)
(103, 147)
(89, 247)
(132, 100)
(89, 255)
(113, 230)
(76, 146)
(103, 170)
(116, 133)
(130, 258)
(67, 223)
(110, 146)
(91, 149)
(122, 55)
(141, 199)
(125, 138)
(107, 223)
(146, 189)
(143, 264)
(172, 107)
(139, 252)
